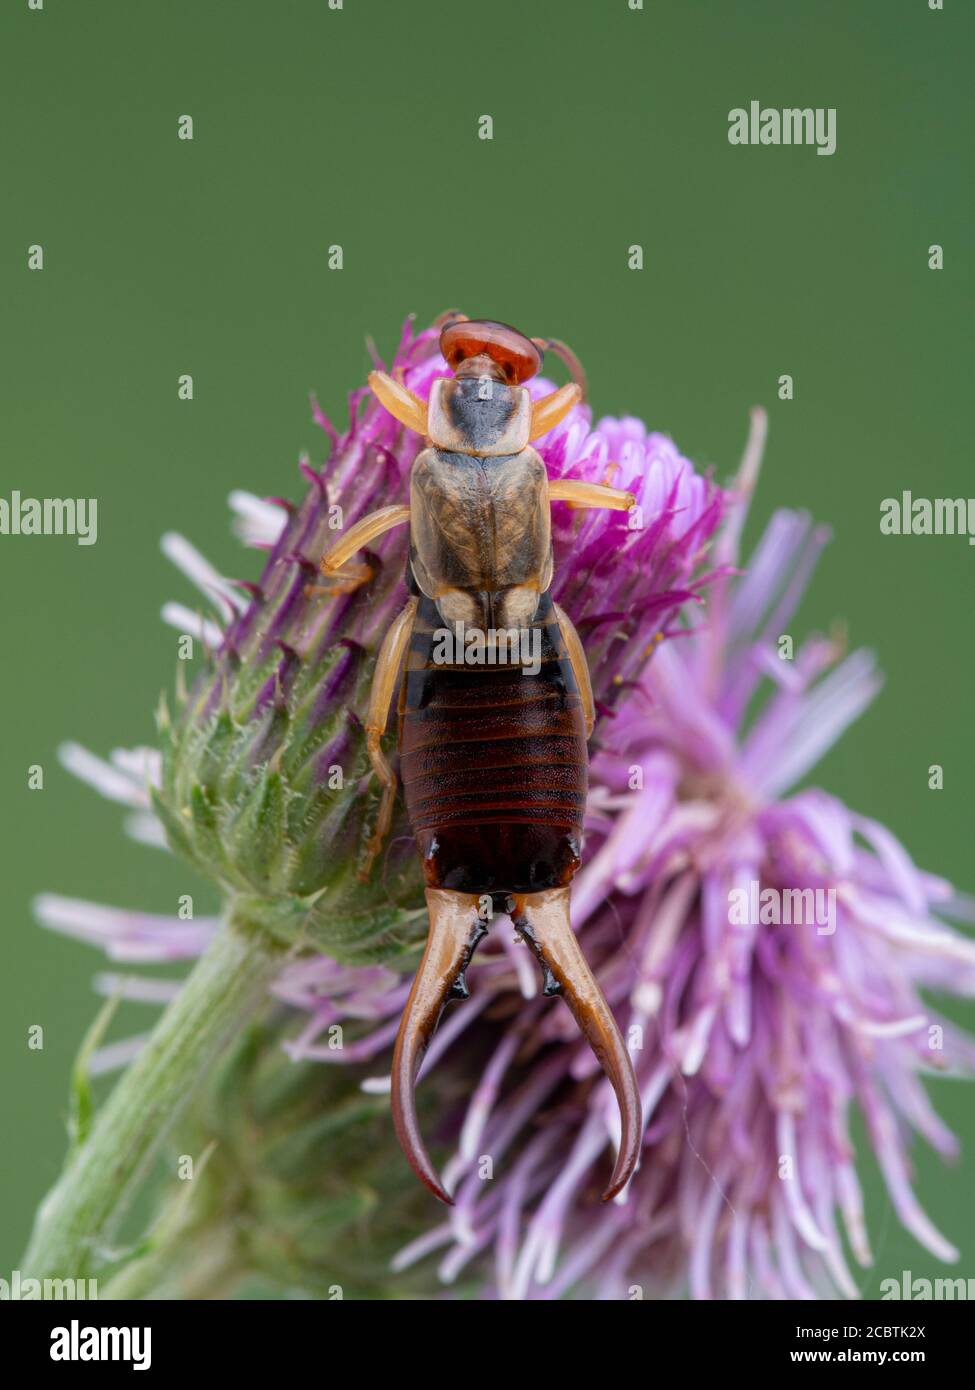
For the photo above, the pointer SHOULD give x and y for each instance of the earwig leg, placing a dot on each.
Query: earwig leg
(547, 412)
(580, 494)
(580, 666)
(402, 403)
(455, 930)
(387, 780)
(543, 920)
(344, 581)
(364, 531)
(384, 680)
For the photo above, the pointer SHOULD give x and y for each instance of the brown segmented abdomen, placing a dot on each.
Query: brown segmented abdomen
(493, 763)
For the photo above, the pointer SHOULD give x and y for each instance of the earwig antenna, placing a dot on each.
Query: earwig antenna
(576, 369)
(449, 316)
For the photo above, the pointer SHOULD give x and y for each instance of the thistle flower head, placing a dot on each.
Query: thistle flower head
(265, 780)
(757, 1030)
(754, 1035)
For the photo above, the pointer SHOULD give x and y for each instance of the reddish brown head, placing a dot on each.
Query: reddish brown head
(466, 344)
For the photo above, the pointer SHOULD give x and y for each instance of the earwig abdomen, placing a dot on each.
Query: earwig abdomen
(494, 764)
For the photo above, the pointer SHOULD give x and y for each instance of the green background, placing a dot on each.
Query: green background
(358, 127)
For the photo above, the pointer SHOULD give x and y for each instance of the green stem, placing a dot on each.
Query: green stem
(83, 1209)
(201, 1266)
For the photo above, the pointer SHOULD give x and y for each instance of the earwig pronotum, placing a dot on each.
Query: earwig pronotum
(493, 759)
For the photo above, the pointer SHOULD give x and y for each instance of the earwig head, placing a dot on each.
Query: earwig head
(481, 347)
(483, 351)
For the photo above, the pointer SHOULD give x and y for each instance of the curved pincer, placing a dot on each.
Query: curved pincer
(542, 919)
(455, 930)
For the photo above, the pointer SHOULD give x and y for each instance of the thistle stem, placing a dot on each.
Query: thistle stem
(205, 1267)
(82, 1211)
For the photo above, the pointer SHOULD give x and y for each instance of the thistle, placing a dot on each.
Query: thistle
(263, 782)
(293, 1188)
(754, 1035)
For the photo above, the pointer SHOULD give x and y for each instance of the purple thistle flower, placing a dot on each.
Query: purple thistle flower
(757, 1037)
(752, 1039)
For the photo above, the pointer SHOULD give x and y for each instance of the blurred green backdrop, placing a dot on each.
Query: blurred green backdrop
(315, 126)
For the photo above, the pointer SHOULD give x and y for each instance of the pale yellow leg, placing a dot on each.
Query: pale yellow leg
(547, 412)
(343, 581)
(579, 494)
(402, 403)
(364, 531)
(384, 682)
(580, 666)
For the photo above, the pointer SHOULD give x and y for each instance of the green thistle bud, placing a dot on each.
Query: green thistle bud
(266, 784)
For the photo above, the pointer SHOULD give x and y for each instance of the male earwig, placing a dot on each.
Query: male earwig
(493, 756)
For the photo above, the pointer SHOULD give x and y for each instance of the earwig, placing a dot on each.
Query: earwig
(493, 755)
